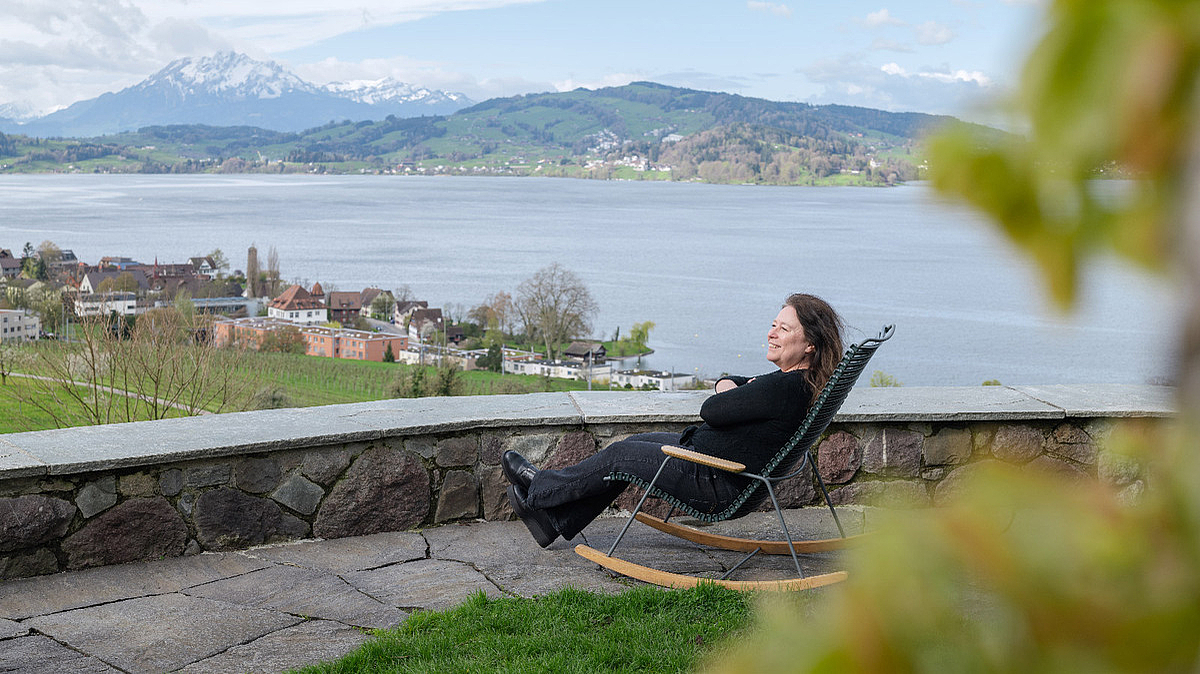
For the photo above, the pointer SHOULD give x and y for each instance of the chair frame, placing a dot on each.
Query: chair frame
(798, 448)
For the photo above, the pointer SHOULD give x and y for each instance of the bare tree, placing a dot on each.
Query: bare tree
(273, 271)
(106, 376)
(556, 304)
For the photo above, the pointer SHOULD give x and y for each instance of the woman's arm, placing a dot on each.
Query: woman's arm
(729, 382)
(759, 398)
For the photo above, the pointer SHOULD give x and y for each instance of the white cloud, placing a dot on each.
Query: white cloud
(934, 33)
(947, 76)
(882, 18)
(778, 9)
(849, 80)
(610, 80)
(55, 53)
(881, 44)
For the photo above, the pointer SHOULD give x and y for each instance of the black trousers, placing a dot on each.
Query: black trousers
(576, 495)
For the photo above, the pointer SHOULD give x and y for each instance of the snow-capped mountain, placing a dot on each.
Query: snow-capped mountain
(231, 89)
(387, 90)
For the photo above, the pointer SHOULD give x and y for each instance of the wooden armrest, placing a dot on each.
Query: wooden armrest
(703, 459)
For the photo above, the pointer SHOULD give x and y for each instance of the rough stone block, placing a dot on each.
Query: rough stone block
(138, 529)
(535, 447)
(227, 519)
(138, 484)
(839, 457)
(187, 503)
(299, 494)
(1117, 469)
(491, 447)
(895, 452)
(29, 521)
(459, 497)
(454, 452)
(570, 450)
(795, 492)
(422, 447)
(98, 496)
(494, 489)
(38, 562)
(950, 446)
(207, 476)
(1071, 442)
(1065, 472)
(882, 493)
(1017, 443)
(958, 481)
(170, 482)
(384, 490)
(1070, 434)
(323, 466)
(257, 475)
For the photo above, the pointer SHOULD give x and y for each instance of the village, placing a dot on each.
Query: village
(46, 290)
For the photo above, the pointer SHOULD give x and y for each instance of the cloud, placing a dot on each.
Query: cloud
(934, 33)
(848, 80)
(431, 74)
(778, 9)
(55, 53)
(941, 76)
(880, 44)
(882, 18)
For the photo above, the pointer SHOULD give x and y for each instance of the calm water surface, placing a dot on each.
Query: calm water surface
(709, 264)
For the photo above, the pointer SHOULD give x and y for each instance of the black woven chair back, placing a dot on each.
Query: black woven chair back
(820, 414)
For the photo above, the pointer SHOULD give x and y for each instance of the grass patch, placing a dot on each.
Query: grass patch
(645, 629)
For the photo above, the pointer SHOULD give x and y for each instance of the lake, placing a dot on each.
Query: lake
(709, 264)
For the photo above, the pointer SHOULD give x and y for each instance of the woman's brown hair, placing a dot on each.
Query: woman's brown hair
(823, 330)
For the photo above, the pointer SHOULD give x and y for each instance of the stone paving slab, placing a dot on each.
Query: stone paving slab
(38, 655)
(943, 403)
(600, 407)
(309, 643)
(246, 611)
(433, 584)
(16, 462)
(1106, 400)
(10, 629)
(141, 442)
(44, 595)
(343, 555)
(160, 633)
(305, 593)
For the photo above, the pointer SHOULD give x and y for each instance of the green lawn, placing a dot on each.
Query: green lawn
(291, 380)
(644, 629)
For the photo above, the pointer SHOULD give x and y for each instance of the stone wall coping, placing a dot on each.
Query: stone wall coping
(94, 448)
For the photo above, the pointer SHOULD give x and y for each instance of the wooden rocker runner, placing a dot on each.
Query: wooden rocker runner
(798, 449)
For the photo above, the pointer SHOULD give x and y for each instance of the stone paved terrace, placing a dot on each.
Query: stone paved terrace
(408, 497)
(273, 608)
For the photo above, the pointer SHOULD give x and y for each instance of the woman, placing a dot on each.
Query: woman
(747, 421)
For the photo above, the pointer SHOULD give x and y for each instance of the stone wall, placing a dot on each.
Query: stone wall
(77, 498)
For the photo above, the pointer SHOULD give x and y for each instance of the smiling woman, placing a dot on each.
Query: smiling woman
(745, 422)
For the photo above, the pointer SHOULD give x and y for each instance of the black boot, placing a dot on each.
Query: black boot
(518, 471)
(537, 521)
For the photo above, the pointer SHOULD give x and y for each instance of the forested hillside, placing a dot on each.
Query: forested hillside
(642, 131)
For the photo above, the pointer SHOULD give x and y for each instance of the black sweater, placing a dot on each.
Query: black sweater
(750, 423)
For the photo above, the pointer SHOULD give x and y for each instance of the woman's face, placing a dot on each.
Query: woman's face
(787, 346)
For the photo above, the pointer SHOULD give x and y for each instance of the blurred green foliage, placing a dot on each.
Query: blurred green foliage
(1022, 571)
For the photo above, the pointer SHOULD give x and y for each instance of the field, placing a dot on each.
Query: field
(267, 380)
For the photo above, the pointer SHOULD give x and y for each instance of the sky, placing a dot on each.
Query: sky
(938, 56)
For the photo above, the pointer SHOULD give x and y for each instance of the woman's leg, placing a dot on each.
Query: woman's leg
(576, 495)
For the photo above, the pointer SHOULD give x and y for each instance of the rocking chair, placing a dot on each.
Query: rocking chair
(797, 449)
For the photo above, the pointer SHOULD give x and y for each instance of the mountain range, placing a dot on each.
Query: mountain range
(232, 89)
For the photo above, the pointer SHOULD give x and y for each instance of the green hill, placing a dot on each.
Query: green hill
(640, 131)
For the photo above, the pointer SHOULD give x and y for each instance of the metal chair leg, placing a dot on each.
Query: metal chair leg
(639, 506)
